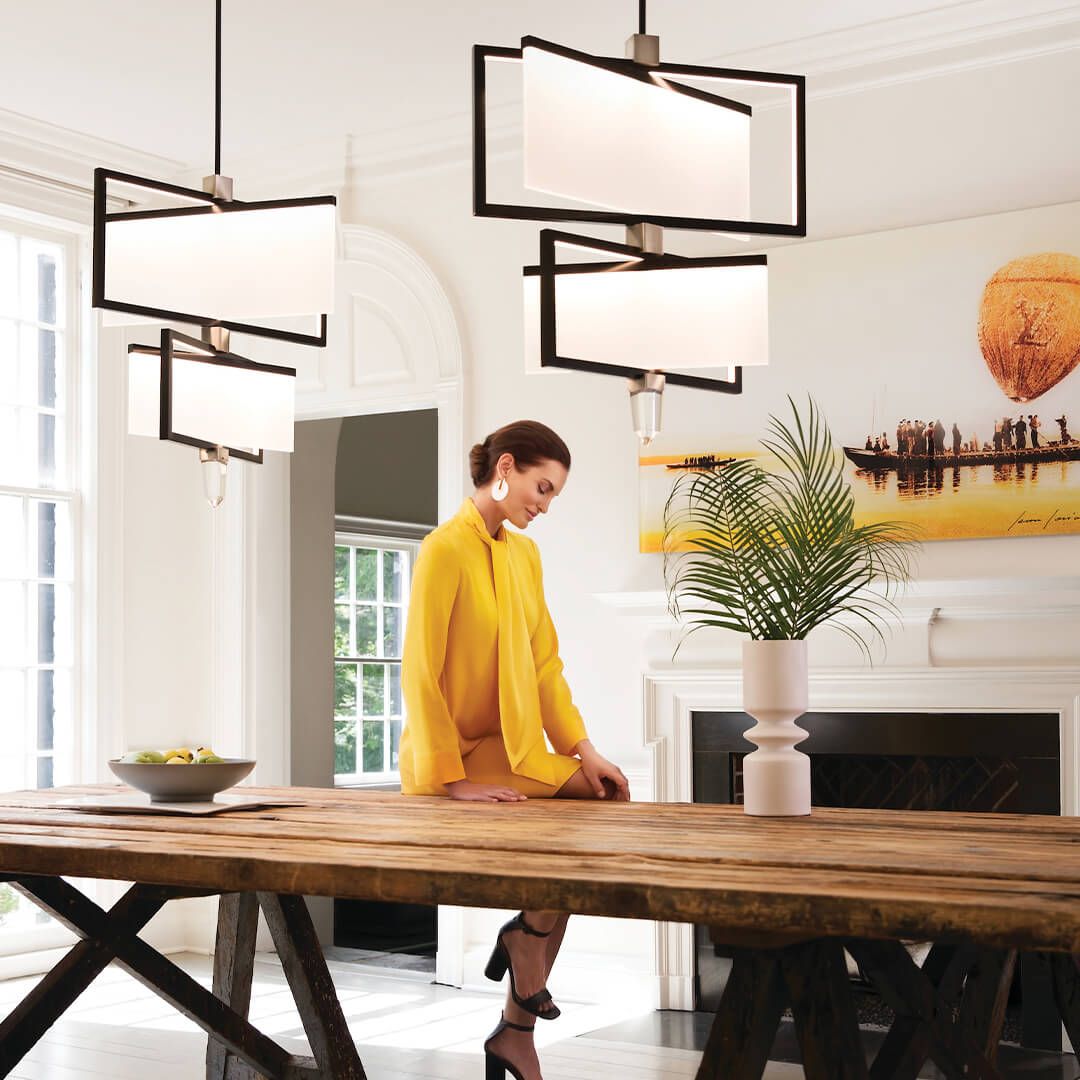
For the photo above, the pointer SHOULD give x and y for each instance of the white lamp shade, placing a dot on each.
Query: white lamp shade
(237, 266)
(677, 319)
(629, 145)
(238, 407)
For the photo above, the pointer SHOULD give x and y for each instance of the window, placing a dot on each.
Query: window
(40, 516)
(371, 593)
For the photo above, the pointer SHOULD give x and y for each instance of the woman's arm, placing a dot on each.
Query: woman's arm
(596, 769)
(433, 735)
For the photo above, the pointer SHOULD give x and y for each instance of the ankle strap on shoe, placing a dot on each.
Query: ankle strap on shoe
(520, 920)
(517, 1027)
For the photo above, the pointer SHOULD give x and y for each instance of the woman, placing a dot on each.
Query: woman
(483, 683)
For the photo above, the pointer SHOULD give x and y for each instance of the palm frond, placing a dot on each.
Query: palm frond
(775, 552)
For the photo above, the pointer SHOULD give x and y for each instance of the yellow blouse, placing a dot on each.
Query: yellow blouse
(481, 655)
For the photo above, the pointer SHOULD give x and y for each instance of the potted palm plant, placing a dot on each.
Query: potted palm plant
(769, 547)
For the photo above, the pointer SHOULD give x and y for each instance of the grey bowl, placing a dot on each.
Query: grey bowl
(182, 783)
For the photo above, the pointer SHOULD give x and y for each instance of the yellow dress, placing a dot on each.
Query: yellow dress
(480, 672)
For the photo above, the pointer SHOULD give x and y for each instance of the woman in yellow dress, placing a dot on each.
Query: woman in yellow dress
(483, 684)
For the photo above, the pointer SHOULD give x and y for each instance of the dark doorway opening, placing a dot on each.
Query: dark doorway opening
(391, 930)
(386, 490)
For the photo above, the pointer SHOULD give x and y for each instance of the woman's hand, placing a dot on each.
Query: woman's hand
(597, 769)
(470, 792)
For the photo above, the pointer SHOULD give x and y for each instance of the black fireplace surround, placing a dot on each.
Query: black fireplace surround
(958, 761)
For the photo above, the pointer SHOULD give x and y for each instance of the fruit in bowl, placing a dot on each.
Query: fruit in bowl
(207, 773)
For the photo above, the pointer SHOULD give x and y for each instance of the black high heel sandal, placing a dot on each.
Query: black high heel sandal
(499, 964)
(495, 1067)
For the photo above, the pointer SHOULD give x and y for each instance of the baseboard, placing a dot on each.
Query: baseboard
(41, 961)
(675, 992)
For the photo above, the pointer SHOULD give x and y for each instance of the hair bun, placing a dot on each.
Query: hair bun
(527, 441)
(478, 461)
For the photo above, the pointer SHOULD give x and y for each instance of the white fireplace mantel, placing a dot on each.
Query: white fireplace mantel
(1013, 621)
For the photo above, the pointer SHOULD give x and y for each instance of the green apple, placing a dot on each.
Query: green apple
(143, 757)
(209, 759)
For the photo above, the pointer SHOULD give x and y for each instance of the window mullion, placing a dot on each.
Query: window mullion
(379, 617)
(352, 601)
(47, 493)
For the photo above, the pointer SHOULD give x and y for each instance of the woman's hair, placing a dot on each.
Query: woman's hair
(527, 440)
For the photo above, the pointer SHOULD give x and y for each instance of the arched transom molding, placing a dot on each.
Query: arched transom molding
(393, 339)
(392, 345)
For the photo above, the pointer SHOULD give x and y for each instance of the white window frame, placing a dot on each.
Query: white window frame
(80, 494)
(379, 536)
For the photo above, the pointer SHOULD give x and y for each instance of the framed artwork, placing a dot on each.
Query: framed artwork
(944, 358)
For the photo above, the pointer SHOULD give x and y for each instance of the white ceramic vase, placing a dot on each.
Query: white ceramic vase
(776, 776)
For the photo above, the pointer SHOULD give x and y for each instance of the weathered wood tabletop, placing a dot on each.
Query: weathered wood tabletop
(992, 879)
(785, 895)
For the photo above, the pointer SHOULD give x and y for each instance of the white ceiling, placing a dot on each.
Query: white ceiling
(138, 72)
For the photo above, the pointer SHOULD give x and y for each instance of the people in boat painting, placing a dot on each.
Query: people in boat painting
(928, 442)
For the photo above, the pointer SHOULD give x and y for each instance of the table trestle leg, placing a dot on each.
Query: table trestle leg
(234, 967)
(746, 1021)
(812, 976)
(301, 956)
(950, 1010)
(1066, 975)
(55, 993)
(112, 936)
(824, 1010)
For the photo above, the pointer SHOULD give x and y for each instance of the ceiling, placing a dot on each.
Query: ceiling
(138, 72)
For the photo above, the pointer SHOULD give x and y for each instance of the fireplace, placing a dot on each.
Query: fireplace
(911, 760)
(978, 762)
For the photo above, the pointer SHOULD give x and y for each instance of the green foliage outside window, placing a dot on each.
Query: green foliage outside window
(9, 901)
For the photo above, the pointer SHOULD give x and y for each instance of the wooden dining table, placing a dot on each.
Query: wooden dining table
(787, 899)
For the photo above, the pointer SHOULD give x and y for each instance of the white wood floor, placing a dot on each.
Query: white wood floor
(405, 1028)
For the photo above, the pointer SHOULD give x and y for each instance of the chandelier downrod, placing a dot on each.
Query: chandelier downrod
(217, 89)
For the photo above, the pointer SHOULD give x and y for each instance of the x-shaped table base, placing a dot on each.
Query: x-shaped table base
(950, 1010)
(236, 1048)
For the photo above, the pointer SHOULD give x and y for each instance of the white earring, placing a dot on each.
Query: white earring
(500, 489)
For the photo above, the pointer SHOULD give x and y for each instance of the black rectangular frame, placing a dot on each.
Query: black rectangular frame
(166, 351)
(637, 261)
(483, 208)
(214, 205)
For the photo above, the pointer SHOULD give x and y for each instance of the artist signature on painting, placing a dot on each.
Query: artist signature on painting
(1058, 517)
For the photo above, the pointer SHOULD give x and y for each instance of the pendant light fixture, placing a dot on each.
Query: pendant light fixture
(187, 391)
(627, 311)
(634, 142)
(205, 258)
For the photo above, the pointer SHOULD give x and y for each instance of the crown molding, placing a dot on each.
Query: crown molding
(59, 153)
(954, 39)
(988, 31)
(47, 169)
(34, 152)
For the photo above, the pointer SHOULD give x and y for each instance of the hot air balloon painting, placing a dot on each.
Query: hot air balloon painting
(1029, 324)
